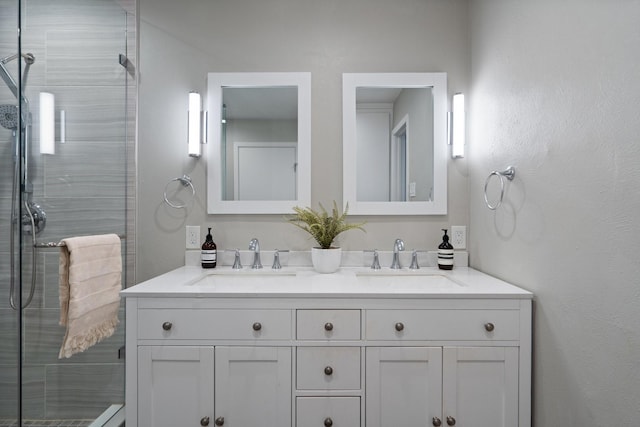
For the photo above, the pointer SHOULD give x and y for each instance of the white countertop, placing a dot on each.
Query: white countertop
(348, 282)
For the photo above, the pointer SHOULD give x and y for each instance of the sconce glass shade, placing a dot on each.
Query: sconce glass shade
(194, 124)
(47, 123)
(458, 132)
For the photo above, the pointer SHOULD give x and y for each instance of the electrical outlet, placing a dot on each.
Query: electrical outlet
(459, 236)
(193, 237)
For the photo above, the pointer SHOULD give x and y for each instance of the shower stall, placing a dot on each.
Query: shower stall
(67, 168)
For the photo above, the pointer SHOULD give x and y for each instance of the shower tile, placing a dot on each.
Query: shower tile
(33, 390)
(76, 14)
(8, 390)
(8, 338)
(84, 57)
(82, 391)
(83, 216)
(93, 113)
(43, 337)
(86, 170)
(33, 399)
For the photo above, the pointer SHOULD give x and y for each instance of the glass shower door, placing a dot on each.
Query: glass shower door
(72, 54)
(10, 325)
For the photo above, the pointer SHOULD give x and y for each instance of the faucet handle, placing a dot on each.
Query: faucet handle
(376, 261)
(414, 261)
(276, 261)
(237, 265)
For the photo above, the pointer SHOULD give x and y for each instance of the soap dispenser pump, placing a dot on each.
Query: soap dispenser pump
(445, 253)
(209, 254)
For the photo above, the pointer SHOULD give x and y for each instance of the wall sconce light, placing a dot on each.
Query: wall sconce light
(47, 123)
(195, 124)
(457, 126)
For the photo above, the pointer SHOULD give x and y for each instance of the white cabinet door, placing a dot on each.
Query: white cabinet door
(253, 386)
(403, 386)
(480, 387)
(175, 386)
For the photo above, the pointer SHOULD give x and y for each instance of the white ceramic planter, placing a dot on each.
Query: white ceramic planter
(326, 260)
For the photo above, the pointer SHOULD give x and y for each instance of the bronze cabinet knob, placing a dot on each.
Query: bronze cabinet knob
(328, 370)
(451, 421)
(220, 421)
(328, 326)
(437, 422)
(328, 422)
(204, 421)
(257, 326)
(399, 326)
(167, 326)
(489, 327)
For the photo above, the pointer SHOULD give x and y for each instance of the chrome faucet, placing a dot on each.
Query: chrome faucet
(414, 261)
(375, 265)
(237, 265)
(276, 261)
(254, 246)
(398, 246)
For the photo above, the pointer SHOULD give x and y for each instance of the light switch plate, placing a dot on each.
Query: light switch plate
(193, 237)
(459, 236)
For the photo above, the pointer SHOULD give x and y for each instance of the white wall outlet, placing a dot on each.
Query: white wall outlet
(193, 237)
(459, 236)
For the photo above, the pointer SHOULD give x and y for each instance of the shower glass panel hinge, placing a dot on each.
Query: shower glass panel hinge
(128, 65)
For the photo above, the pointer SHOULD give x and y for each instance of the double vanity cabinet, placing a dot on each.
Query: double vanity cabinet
(303, 349)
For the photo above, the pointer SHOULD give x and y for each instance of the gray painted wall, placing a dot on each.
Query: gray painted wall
(555, 92)
(182, 41)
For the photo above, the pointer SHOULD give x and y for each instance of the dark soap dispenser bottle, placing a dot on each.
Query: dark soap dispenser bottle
(445, 253)
(209, 255)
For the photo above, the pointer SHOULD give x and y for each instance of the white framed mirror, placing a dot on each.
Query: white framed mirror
(259, 151)
(395, 143)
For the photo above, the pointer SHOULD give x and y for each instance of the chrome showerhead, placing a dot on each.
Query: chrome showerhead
(9, 116)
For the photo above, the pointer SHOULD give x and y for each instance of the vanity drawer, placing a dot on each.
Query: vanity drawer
(328, 324)
(327, 411)
(183, 324)
(443, 325)
(328, 368)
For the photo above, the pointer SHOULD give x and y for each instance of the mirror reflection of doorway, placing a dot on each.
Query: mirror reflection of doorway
(399, 170)
(265, 171)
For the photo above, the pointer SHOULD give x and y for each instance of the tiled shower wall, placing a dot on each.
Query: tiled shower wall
(87, 187)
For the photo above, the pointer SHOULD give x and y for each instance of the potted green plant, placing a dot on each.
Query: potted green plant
(324, 228)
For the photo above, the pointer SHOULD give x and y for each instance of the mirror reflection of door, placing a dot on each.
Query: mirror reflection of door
(265, 171)
(373, 130)
(394, 159)
(255, 121)
(399, 171)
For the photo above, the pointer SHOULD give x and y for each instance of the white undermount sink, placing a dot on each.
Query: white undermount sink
(404, 280)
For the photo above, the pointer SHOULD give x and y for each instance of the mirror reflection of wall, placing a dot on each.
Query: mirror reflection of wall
(394, 143)
(259, 143)
(394, 131)
(259, 151)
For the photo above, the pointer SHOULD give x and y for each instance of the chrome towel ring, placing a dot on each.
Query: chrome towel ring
(509, 174)
(185, 180)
